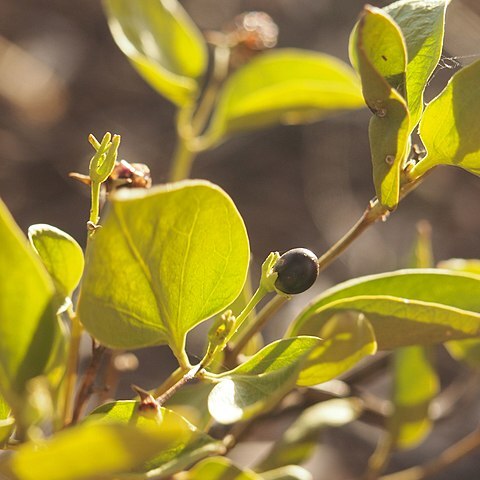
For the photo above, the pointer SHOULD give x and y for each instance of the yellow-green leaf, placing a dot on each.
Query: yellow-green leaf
(346, 337)
(165, 260)
(284, 86)
(378, 52)
(450, 126)
(260, 382)
(61, 255)
(28, 325)
(422, 23)
(406, 307)
(162, 43)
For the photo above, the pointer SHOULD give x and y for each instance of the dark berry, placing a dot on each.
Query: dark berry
(297, 271)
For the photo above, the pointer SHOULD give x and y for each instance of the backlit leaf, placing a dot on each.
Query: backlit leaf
(261, 381)
(183, 443)
(422, 23)
(165, 260)
(450, 126)
(28, 326)
(61, 255)
(415, 385)
(284, 86)
(162, 43)
(467, 351)
(347, 337)
(377, 50)
(406, 307)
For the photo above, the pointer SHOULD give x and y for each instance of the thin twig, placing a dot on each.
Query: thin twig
(447, 458)
(89, 376)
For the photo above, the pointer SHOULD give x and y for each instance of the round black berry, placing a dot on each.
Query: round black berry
(297, 271)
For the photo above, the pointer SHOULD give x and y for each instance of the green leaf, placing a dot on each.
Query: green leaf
(377, 50)
(405, 307)
(217, 468)
(117, 448)
(284, 86)
(450, 125)
(261, 381)
(299, 441)
(415, 385)
(61, 255)
(28, 327)
(183, 443)
(422, 23)
(415, 381)
(162, 43)
(172, 256)
(467, 351)
(347, 337)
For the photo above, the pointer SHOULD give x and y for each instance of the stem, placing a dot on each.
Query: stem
(374, 212)
(448, 457)
(72, 366)
(95, 209)
(188, 128)
(86, 389)
(187, 377)
(169, 382)
(260, 320)
(182, 161)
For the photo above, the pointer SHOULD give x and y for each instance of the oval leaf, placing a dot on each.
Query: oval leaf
(299, 441)
(406, 307)
(162, 43)
(284, 86)
(165, 260)
(455, 140)
(261, 381)
(28, 327)
(347, 337)
(183, 443)
(377, 51)
(61, 255)
(422, 23)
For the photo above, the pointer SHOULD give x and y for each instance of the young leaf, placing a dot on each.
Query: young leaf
(377, 50)
(183, 443)
(422, 23)
(217, 468)
(300, 439)
(261, 381)
(171, 257)
(61, 255)
(450, 124)
(284, 86)
(162, 43)
(28, 327)
(347, 337)
(405, 307)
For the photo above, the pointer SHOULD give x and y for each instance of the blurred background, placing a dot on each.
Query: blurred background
(62, 77)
